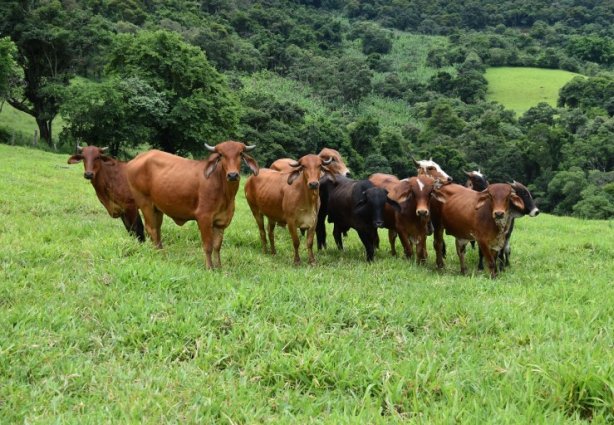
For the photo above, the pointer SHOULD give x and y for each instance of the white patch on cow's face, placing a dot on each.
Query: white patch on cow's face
(534, 212)
(425, 164)
(477, 173)
(420, 185)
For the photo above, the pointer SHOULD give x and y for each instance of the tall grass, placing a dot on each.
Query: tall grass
(99, 328)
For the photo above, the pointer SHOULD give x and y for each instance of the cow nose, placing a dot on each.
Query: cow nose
(423, 213)
(379, 223)
(348, 174)
(234, 176)
(535, 212)
(449, 179)
(499, 214)
(88, 175)
(314, 185)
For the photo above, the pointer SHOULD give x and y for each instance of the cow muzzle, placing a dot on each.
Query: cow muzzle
(498, 215)
(379, 223)
(313, 185)
(422, 213)
(534, 212)
(232, 177)
(88, 175)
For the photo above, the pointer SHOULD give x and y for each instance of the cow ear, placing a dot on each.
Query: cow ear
(212, 162)
(328, 173)
(251, 163)
(482, 200)
(517, 201)
(294, 175)
(394, 204)
(436, 194)
(75, 158)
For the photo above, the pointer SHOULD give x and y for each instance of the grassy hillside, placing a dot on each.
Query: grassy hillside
(22, 124)
(99, 328)
(519, 89)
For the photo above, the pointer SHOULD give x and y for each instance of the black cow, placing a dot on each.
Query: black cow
(355, 204)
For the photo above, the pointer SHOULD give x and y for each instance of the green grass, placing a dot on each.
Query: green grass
(97, 328)
(519, 89)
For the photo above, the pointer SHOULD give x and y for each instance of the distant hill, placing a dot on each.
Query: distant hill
(521, 88)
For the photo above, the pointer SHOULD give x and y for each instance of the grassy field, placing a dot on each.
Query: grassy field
(519, 89)
(23, 125)
(97, 328)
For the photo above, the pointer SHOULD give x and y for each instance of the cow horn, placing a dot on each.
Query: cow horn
(468, 173)
(415, 162)
(327, 161)
(210, 148)
(294, 164)
(79, 148)
(249, 148)
(106, 148)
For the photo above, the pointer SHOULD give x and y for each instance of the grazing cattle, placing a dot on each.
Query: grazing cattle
(468, 215)
(477, 181)
(356, 204)
(108, 176)
(431, 168)
(291, 199)
(411, 221)
(330, 156)
(185, 189)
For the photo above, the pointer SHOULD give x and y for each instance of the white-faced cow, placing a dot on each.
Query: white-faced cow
(327, 155)
(411, 221)
(431, 168)
(108, 177)
(186, 189)
(290, 199)
(468, 215)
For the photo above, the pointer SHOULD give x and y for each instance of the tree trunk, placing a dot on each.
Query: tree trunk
(44, 129)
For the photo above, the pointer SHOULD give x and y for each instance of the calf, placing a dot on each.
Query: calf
(468, 215)
(185, 189)
(330, 156)
(291, 199)
(355, 204)
(108, 176)
(476, 180)
(411, 221)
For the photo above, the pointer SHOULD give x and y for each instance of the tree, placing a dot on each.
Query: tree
(50, 45)
(8, 68)
(201, 108)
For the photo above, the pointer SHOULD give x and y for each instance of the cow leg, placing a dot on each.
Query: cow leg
(206, 234)
(421, 250)
(310, 236)
(392, 238)
(490, 258)
(218, 237)
(153, 223)
(367, 240)
(295, 241)
(260, 222)
(271, 229)
(133, 224)
(439, 246)
(337, 234)
(481, 260)
(460, 250)
(407, 247)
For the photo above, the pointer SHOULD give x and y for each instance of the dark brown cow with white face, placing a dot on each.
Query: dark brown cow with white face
(330, 156)
(468, 215)
(108, 177)
(411, 220)
(290, 199)
(185, 189)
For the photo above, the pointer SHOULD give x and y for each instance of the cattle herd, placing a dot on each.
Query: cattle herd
(303, 195)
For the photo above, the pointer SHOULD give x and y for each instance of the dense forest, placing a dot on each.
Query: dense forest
(381, 81)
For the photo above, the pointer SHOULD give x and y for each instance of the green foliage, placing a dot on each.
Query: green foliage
(596, 92)
(200, 106)
(8, 67)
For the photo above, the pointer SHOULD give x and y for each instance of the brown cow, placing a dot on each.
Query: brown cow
(431, 168)
(108, 176)
(336, 166)
(468, 215)
(185, 189)
(411, 222)
(287, 199)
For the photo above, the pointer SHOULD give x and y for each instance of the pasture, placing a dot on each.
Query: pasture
(99, 328)
(519, 89)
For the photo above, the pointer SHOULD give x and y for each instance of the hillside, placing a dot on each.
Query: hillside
(100, 328)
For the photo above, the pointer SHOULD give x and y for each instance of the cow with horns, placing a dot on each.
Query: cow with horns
(290, 199)
(186, 189)
(330, 156)
(108, 177)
